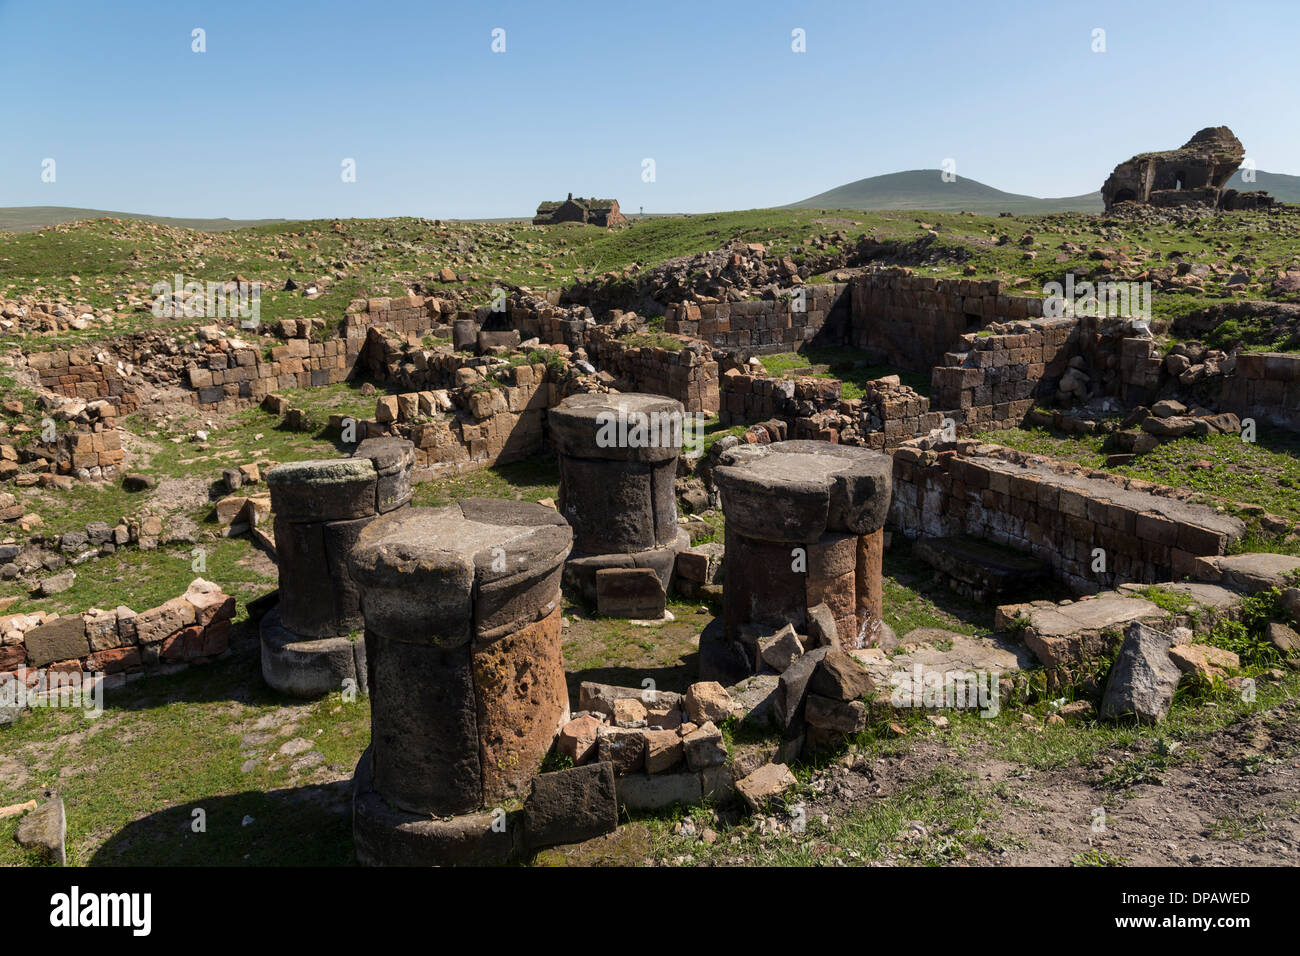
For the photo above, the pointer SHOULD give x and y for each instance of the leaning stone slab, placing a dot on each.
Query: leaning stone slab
(1143, 679)
(769, 782)
(45, 829)
(570, 806)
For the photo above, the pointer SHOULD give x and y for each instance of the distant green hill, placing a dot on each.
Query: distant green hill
(31, 218)
(1282, 186)
(924, 189)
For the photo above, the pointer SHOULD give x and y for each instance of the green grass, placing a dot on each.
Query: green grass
(842, 363)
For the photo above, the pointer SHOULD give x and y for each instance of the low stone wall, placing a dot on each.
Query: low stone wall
(86, 375)
(782, 323)
(909, 321)
(1056, 512)
(1265, 386)
(119, 644)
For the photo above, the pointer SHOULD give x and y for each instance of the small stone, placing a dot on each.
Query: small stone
(708, 701)
(767, 783)
(704, 747)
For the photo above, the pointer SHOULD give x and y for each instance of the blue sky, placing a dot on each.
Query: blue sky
(440, 126)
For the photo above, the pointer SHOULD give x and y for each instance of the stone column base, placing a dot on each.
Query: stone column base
(580, 570)
(309, 667)
(385, 836)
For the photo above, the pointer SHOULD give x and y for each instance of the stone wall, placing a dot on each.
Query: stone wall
(909, 321)
(118, 644)
(766, 324)
(1057, 512)
(1265, 386)
(86, 375)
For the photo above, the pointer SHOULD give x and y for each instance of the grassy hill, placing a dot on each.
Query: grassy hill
(1283, 187)
(31, 218)
(924, 189)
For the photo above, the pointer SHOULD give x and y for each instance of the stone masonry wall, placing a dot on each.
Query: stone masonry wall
(1265, 386)
(909, 321)
(756, 323)
(1058, 513)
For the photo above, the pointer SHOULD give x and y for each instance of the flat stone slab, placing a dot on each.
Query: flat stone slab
(619, 426)
(1249, 572)
(959, 654)
(1105, 610)
(796, 491)
(1213, 596)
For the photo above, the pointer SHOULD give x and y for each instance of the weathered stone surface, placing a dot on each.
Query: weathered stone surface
(63, 639)
(641, 791)
(798, 490)
(1143, 679)
(45, 829)
(842, 716)
(788, 700)
(630, 592)
(309, 667)
(586, 426)
(629, 712)
(708, 701)
(307, 598)
(781, 649)
(424, 731)
(703, 747)
(393, 459)
(1284, 638)
(1205, 662)
(766, 784)
(570, 806)
(821, 628)
(663, 750)
(1254, 572)
(438, 552)
(522, 698)
(623, 749)
(577, 739)
(1196, 170)
(387, 836)
(600, 697)
(332, 490)
(840, 677)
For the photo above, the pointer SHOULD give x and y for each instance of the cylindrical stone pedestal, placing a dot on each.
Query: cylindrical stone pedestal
(804, 524)
(310, 640)
(467, 687)
(618, 468)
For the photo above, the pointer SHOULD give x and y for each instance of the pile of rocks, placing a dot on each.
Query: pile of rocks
(53, 552)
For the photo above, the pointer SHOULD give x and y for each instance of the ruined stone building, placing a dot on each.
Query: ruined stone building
(595, 212)
(1194, 173)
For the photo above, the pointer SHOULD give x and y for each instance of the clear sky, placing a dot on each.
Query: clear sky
(439, 125)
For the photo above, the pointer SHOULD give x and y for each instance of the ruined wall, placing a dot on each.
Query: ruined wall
(759, 323)
(83, 374)
(119, 644)
(1057, 513)
(910, 321)
(812, 408)
(1265, 386)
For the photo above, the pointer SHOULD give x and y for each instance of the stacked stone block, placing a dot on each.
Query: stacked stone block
(760, 323)
(462, 631)
(804, 526)
(320, 509)
(617, 490)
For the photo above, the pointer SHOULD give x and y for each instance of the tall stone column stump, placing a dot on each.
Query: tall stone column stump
(618, 468)
(804, 526)
(310, 644)
(467, 687)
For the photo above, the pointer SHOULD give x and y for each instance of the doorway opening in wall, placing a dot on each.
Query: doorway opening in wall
(974, 322)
